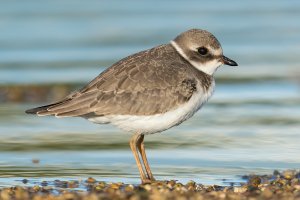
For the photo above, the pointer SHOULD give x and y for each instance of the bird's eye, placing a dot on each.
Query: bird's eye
(202, 51)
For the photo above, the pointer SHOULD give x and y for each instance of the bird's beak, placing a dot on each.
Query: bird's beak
(227, 61)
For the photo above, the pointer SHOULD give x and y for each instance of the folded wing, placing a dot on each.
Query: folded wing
(150, 82)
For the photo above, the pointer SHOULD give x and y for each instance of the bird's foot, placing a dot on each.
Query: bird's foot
(148, 181)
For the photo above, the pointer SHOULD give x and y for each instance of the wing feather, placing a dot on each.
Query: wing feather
(150, 82)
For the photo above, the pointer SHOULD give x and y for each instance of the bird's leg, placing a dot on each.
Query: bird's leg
(141, 148)
(133, 145)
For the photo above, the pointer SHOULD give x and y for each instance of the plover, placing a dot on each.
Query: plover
(150, 91)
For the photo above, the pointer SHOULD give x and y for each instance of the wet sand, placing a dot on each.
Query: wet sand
(279, 185)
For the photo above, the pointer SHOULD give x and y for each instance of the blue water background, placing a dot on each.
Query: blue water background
(251, 124)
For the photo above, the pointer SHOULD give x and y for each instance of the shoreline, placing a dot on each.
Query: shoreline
(279, 185)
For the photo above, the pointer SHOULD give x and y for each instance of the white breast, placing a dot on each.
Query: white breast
(159, 122)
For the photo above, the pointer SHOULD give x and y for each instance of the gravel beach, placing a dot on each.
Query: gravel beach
(279, 185)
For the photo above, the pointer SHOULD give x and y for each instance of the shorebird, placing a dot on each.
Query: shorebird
(150, 91)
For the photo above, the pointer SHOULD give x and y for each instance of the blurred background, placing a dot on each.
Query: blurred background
(50, 48)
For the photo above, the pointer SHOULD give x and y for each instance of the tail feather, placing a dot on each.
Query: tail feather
(44, 109)
(72, 113)
(73, 105)
(62, 111)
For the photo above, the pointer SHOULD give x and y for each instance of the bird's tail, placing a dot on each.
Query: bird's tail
(44, 110)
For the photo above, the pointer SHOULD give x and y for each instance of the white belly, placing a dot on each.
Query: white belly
(159, 122)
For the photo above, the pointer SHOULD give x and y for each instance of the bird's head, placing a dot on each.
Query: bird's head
(202, 50)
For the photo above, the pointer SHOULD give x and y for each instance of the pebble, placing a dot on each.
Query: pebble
(254, 181)
(90, 180)
(289, 174)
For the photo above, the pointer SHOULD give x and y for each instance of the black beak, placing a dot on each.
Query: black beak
(227, 61)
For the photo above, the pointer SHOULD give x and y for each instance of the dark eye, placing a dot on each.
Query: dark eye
(202, 51)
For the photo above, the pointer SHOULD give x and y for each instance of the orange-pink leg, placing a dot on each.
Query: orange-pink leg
(141, 148)
(137, 145)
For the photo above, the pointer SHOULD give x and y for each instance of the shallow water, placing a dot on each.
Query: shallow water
(251, 124)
